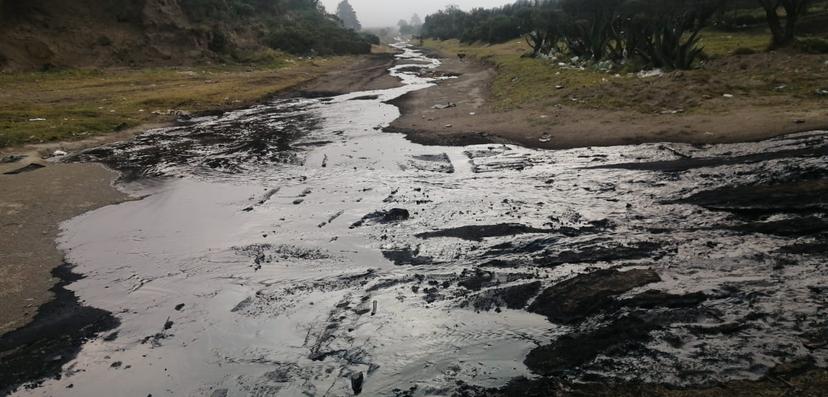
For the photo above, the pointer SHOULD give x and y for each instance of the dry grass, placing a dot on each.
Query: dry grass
(761, 79)
(77, 104)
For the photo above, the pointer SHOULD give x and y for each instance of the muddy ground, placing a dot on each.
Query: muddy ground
(32, 205)
(460, 112)
(293, 248)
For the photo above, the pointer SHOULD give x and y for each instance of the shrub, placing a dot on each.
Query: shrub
(104, 41)
(813, 45)
(743, 51)
(218, 41)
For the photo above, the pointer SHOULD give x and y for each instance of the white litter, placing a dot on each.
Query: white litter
(644, 74)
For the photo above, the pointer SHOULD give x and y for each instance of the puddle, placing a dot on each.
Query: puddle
(287, 248)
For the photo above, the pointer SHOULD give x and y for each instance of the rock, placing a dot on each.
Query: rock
(444, 106)
(575, 299)
(476, 280)
(356, 382)
(219, 393)
(12, 158)
(387, 216)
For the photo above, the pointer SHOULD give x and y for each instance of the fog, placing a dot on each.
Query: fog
(378, 13)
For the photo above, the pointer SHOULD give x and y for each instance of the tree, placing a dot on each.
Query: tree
(783, 35)
(416, 21)
(348, 16)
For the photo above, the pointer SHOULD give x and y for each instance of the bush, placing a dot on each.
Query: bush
(104, 41)
(219, 42)
(370, 38)
(813, 45)
(743, 51)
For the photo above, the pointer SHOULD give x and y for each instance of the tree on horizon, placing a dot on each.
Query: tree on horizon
(345, 12)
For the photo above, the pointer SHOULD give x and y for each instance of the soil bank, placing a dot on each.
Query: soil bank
(460, 111)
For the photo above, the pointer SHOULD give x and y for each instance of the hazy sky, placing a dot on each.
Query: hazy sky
(377, 13)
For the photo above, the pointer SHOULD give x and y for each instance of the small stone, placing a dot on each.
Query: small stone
(356, 382)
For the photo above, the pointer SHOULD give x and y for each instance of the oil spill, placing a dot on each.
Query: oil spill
(295, 249)
(55, 336)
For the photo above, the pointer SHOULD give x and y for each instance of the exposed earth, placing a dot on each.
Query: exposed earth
(688, 107)
(294, 248)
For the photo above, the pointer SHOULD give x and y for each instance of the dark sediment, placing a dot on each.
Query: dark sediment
(479, 232)
(55, 336)
(791, 197)
(686, 164)
(577, 298)
(513, 297)
(572, 351)
(593, 253)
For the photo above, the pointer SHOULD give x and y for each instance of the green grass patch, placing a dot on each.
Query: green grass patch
(80, 103)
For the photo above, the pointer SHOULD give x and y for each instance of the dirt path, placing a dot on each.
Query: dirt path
(35, 202)
(32, 205)
(471, 119)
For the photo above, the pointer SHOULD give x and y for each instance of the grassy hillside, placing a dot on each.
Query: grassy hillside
(49, 34)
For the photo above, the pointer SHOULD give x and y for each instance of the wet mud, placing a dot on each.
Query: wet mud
(54, 338)
(295, 248)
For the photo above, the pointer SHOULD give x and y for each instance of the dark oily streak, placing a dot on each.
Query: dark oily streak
(513, 297)
(595, 252)
(569, 352)
(28, 168)
(55, 336)
(479, 232)
(685, 164)
(791, 197)
(384, 216)
(407, 256)
(226, 147)
(792, 227)
(575, 299)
